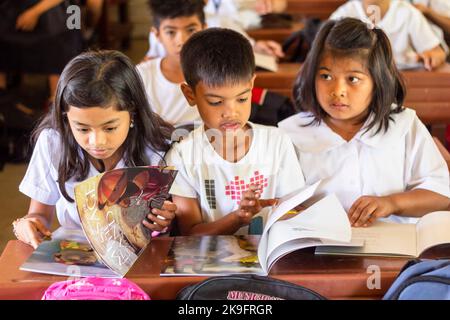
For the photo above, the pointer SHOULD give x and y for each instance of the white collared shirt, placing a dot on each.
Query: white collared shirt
(40, 180)
(218, 184)
(407, 29)
(403, 158)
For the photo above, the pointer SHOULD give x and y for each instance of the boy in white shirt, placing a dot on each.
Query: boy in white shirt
(228, 165)
(173, 23)
(410, 34)
(438, 12)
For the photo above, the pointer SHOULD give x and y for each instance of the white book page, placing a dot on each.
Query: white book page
(284, 205)
(265, 61)
(433, 229)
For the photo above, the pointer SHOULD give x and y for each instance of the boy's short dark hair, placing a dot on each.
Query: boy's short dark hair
(217, 56)
(171, 9)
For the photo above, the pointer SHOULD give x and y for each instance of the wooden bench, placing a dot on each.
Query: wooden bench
(313, 8)
(427, 92)
(275, 34)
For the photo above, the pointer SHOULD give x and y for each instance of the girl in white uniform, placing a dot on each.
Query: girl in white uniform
(100, 121)
(354, 134)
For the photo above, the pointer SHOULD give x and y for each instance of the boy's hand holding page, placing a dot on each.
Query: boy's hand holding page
(251, 204)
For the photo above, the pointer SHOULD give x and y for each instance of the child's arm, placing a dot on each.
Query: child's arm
(415, 203)
(28, 19)
(190, 222)
(442, 21)
(160, 219)
(433, 58)
(32, 228)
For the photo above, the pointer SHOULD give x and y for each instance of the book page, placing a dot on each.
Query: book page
(266, 62)
(381, 238)
(284, 205)
(433, 229)
(326, 219)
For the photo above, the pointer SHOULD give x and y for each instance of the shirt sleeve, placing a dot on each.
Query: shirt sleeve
(422, 36)
(181, 186)
(290, 176)
(425, 166)
(40, 180)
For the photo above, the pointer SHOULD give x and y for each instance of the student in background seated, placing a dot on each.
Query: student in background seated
(226, 17)
(229, 169)
(101, 121)
(438, 13)
(411, 36)
(354, 133)
(173, 23)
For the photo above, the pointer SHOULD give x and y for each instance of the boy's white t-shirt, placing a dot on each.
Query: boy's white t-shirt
(165, 97)
(407, 29)
(40, 180)
(218, 184)
(401, 159)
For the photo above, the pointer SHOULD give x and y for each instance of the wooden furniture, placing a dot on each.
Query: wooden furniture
(275, 34)
(428, 92)
(313, 8)
(115, 32)
(335, 277)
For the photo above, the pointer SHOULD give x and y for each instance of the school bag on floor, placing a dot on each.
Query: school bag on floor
(246, 287)
(422, 280)
(95, 288)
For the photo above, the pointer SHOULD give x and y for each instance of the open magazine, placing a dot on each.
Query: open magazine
(324, 223)
(398, 239)
(111, 207)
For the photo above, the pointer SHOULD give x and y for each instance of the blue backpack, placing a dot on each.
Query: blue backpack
(422, 280)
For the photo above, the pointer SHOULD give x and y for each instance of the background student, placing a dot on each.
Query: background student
(411, 35)
(229, 169)
(101, 120)
(173, 23)
(354, 133)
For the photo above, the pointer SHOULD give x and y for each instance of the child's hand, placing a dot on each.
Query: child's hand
(432, 58)
(269, 47)
(30, 230)
(160, 219)
(367, 209)
(422, 8)
(27, 20)
(251, 204)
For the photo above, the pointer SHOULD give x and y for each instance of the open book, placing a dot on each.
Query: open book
(111, 207)
(398, 239)
(324, 223)
(266, 62)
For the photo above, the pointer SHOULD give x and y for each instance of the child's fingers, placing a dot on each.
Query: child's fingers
(169, 206)
(157, 222)
(358, 210)
(40, 227)
(267, 202)
(365, 214)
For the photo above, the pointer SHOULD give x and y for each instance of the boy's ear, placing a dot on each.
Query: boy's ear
(155, 31)
(188, 94)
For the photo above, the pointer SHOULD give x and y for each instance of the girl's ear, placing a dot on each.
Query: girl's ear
(188, 94)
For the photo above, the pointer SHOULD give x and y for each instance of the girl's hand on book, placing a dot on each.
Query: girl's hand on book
(251, 204)
(30, 230)
(159, 219)
(367, 209)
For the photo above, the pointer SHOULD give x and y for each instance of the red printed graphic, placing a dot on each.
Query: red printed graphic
(238, 186)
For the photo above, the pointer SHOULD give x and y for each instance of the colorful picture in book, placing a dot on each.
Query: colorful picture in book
(112, 207)
(209, 255)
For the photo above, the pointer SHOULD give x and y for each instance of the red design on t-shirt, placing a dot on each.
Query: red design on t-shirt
(238, 186)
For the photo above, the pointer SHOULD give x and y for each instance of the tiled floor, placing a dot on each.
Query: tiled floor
(14, 204)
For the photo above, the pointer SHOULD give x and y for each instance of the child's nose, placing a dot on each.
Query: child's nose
(230, 111)
(339, 90)
(97, 138)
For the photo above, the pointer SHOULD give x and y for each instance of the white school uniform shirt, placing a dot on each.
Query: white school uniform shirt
(218, 184)
(407, 29)
(40, 180)
(401, 159)
(165, 97)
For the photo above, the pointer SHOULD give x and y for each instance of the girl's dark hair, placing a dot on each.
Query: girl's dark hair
(102, 78)
(351, 37)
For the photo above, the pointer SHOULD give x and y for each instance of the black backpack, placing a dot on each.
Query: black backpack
(246, 287)
(298, 44)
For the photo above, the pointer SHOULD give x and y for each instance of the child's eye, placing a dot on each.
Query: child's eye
(192, 30)
(214, 103)
(110, 129)
(82, 130)
(354, 79)
(325, 76)
(170, 33)
(242, 100)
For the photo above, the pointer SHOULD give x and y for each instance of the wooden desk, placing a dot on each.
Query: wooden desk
(427, 92)
(275, 34)
(313, 8)
(332, 276)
